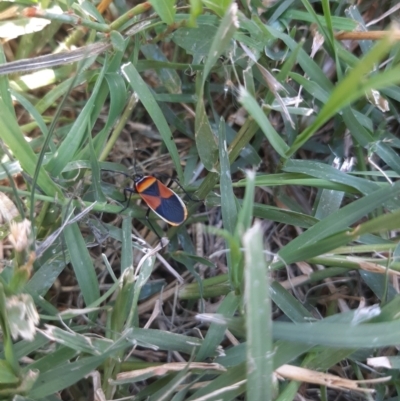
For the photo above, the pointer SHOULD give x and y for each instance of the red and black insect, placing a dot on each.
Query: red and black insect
(164, 202)
(159, 198)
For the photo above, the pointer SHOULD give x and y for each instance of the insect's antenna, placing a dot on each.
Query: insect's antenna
(137, 171)
(135, 162)
(117, 172)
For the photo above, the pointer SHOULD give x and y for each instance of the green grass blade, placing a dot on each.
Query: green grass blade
(126, 244)
(289, 305)
(216, 332)
(251, 105)
(339, 23)
(228, 204)
(5, 94)
(148, 101)
(382, 223)
(12, 136)
(309, 66)
(227, 28)
(34, 113)
(79, 129)
(227, 381)
(82, 263)
(165, 9)
(329, 173)
(351, 88)
(339, 220)
(340, 334)
(205, 138)
(258, 318)
(52, 263)
(220, 7)
(95, 173)
(169, 78)
(63, 376)
(247, 210)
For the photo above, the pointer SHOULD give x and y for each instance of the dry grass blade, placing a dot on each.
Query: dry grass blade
(325, 379)
(161, 370)
(54, 60)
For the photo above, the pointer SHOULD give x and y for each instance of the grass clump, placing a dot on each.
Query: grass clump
(282, 282)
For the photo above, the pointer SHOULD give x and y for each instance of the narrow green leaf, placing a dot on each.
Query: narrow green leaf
(8, 345)
(52, 263)
(258, 318)
(146, 266)
(339, 220)
(117, 40)
(352, 87)
(165, 9)
(126, 244)
(342, 335)
(58, 91)
(228, 204)
(95, 173)
(82, 263)
(251, 105)
(228, 26)
(118, 98)
(76, 341)
(328, 202)
(378, 284)
(196, 9)
(205, 138)
(295, 179)
(283, 216)
(165, 340)
(388, 155)
(123, 304)
(220, 7)
(55, 358)
(12, 136)
(356, 128)
(312, 87)
(63, 376)
(34, 113)
(309, 66)
(196, 41)
(7, 376)
(382, 223)
(168, 76)
(288, 304)
(247, 210)
(171, 386)
(5, 94)
(339, 23)
(146, 97)
(227, 381)
(329, 173)
(76, 134)
(216, 332)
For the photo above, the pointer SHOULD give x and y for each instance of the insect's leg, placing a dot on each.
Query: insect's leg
(130, 191)
(183, 189)
(151, 225)
(126, 190)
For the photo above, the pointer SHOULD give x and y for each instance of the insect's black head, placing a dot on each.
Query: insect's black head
(137, 177)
